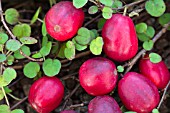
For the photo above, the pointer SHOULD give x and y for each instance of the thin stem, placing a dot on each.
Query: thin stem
(16, 98)
(125, 10)
(5, 96)
(163, 96)
(40, 20)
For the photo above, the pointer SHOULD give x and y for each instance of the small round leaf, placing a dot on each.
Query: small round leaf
(4, 109)
(155, 111)
(120, 69)
(107, 2)
(3, 38)
(150, 32)
(17, 111)
(13, 45)
(11, 16)
(25, 50)
(148, 45)
(31, 69)
(93, 9)
(107, 12)
(155, 58)
(164, 19)
(78, 46)
(96, 46)
(51, 67)
(79, 3)
(101, 23)
(69, 51)
(2, 57)
(141, 27)
(143, 37)
(28, 40)
(155, 7)
(1, 95)
(9, 74)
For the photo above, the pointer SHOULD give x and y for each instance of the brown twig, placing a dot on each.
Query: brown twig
(14, 106)
(73, 91)
(157, 36)
(129, 5)
(32, 59)
(92, 20)
(163, 96)
(69, 76)
(76, 105)
(3, 22)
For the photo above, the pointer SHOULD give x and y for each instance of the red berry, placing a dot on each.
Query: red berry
(46, 94)
(138, 93)
(68, 111)
(98, 76)
(63, 20)
(120, 39)
(103, 104)
(158, 73)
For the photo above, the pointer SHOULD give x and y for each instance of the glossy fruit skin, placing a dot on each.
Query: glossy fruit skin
(158, 73)
(138, 93)
(103, 104)
(98, 76)
(120, 39)
(68, 111)
(46, 94)
(63, 20)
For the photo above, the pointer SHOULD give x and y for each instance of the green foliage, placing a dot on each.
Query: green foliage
(141, 27)
(3, 38)
(61, 50)
(22, 30)
(31, 69)
(28, 40)
(1, 94)
(51, 67)
(13, 45)
(117, 4)
(101, 23)
(17, 111)
(11, 16)
(83, 37)
(107, 2)
(164, 19)
(79, 3)
(148, 45)
(150, 32)
(25, 50)
(155, 7)
(9, 74)
(78, 46)
(120, 68)
(155, 58)
(2, 57)
(96, 46)
(155, 111)
(4, 109)
(35, 17)
(44, 41)
(10, 60)
(43, 29)
(107, 12)
(93, 9)
(69, 51)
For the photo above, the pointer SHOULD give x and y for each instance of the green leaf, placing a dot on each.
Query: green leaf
(120, 68)
(7, 90)
(13, 45)
(10, 60)
(150, 32)
(78, 46)
(117, 4)
(3, 82)
(45, 50)
(83, 37)
(107, 12)
(93, 9)
(1, 47)
(11, 16)
(155, 111)
(4, 109)
(2, 57)
(1, 94)
(143, 37)
(107, 2)
(61, 51)
(141, 27)
(35, 17)
(69, 51)
(28, 40)
(22, 30)
(101, 23)
(43, 29)
(3, 38)
(9, 74)
(96, 46)
(44, 41)
(25, 50)
(95, 33)
(148, 45)
(164, 19)
(155, 7)
(79, 3)
(17, 111)
(51, 67)
(155, 58)
(31, 69)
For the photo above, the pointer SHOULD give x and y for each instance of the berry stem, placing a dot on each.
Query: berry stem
(125, 10)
